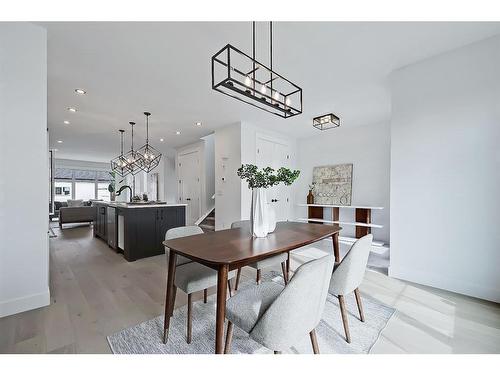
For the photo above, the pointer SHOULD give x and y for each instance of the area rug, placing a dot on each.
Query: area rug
(146, 337)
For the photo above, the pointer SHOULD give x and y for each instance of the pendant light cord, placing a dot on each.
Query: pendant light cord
(271, 52)
(253, 54)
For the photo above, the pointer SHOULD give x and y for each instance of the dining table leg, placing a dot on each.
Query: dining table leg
(221, 308)
(169, 300)
(336, 250)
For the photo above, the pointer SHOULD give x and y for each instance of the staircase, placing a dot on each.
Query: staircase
(208, 223)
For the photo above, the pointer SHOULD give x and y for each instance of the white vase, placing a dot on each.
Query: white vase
(259, 213)
(271, 218)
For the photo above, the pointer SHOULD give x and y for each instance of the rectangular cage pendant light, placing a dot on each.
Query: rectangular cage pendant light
(327, 121)
(242, 77)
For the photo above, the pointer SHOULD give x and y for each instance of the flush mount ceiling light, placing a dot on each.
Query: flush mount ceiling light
(59, 141)
(66, 122)
(80, 91)
(242, 77)
(149, 157)
(132, 156)
(198, 123)
(161, 139)
(119, 164)
(71, 109)
(178, 132)
(327, 121)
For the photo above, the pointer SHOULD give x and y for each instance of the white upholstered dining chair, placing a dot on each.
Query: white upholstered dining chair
(277, 317)
(348, 276)
(267, 262)
(190, 276)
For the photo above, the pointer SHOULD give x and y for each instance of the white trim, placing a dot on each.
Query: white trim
(25, 303)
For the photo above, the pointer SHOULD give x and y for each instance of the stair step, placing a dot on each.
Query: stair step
(210, 218)
(207, 227)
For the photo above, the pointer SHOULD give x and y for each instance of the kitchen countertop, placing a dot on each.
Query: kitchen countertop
(148, 205)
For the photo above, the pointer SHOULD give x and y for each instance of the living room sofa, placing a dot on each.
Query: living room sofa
(79, 214)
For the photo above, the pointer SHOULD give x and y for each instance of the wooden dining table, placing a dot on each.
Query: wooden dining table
(230, 249)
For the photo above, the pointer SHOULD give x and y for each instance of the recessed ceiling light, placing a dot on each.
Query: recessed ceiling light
(71, 109)
(161, 139)
(80, 91)
(177, 132)
(198, 123)
(66, 122)
(59, 141)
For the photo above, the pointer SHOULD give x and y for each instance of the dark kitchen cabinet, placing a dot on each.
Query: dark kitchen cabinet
(145, 229)
(100, 224)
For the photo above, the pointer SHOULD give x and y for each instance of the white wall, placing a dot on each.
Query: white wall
(170, 181)
(24, 257)
(445, 171)
(368, 149)
(227, 183)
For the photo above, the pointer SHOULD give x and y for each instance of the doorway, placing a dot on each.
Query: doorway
(189, 185)
(275, 154)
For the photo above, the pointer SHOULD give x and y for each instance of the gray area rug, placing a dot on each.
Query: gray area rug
(146, 337)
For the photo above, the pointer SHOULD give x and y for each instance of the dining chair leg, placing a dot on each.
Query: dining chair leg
(288, 267)
(229, 337)
(169, 308)
(360, 306)
(229, 288)
(258, 278)
(174, 292)
(343, 312)
(277, 352)
(314, 341)
(190, 318)
(238, 275)
(205, 295)
(283, 269)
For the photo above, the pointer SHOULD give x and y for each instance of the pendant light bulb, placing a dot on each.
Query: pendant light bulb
(288, 101)
(248, 81)
(263, 89)
(276, 95)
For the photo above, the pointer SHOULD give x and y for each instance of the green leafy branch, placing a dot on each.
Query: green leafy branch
(266, 177)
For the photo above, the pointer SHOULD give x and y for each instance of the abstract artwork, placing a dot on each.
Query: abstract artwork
(333, 184)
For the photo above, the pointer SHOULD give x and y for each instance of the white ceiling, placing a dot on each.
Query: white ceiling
(164, 68)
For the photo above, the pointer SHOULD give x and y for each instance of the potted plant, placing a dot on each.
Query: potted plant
(262, 218)
(111, 186)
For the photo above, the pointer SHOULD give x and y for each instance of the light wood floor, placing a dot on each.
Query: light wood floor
(95, 292)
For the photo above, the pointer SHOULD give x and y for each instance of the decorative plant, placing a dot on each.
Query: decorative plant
(311, 186)
(111, 186)
(266, 177)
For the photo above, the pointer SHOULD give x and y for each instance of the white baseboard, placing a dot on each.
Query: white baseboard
(25, 303)
(440, 282)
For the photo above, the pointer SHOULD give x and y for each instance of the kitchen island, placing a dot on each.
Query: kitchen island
(137, 229)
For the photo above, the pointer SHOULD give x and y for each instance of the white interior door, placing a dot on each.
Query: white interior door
(274, 154)
(189, 185)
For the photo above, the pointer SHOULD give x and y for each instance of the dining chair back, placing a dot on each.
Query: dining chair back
(348, 274)
(298, 309)
(181, 232)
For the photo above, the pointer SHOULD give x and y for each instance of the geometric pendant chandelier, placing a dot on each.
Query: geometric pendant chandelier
(132, 156)
(149, 157)
(236, 74)
(119, 164)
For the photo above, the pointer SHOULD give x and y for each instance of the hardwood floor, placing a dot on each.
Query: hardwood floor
(96, 292)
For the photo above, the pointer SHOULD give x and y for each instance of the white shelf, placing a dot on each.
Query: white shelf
(357, 224)
(333, 206)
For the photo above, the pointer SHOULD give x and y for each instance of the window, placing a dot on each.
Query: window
(81, 184)
(63, 191)
(102, 191)
(84, 190)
